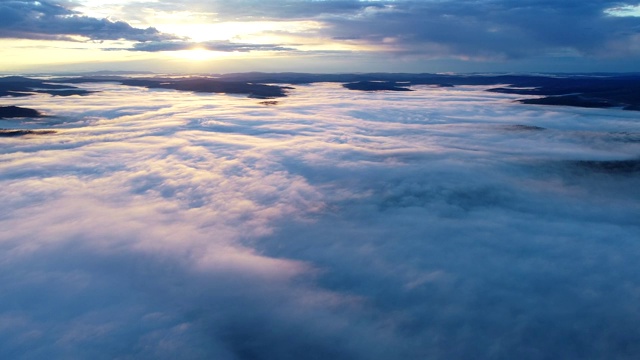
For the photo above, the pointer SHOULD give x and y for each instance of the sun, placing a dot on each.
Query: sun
(197, 54)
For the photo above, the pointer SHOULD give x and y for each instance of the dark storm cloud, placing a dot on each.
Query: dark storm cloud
(55, 21)
(225, 46)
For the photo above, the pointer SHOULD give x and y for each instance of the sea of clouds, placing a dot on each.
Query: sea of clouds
(443, 223)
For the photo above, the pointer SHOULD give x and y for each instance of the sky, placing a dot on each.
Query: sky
(439, 223)
(214, 36)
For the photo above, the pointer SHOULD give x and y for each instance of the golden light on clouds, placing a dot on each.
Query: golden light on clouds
(199, 54)
(16, 55)
(259, 32)
(624, 11)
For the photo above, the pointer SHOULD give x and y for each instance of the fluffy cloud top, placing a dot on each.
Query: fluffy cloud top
(443, 223)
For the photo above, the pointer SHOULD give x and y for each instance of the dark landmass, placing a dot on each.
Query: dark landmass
(523, 128)
(303, 78)
(627, 137)
(68, 92)
(581, 91)
(90, 79)
(16, 86)
(590, 90)
(195, 84)
(614, 167)
(18, 112)
(258, 91)
(365, 82)
(375, 86)
(10, 93)
(21, 132)
(571, 100)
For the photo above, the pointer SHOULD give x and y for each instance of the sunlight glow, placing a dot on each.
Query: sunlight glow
(624, 11)
(16, 55)
(201, 54)
(197, 54)
(235, 30)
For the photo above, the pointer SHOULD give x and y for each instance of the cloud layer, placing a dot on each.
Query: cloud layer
(55, 20)
(402, 35)
(225, 46)
(440, 223)
(480, 30)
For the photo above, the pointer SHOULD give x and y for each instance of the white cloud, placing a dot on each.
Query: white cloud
(160, 224)
(624, 11)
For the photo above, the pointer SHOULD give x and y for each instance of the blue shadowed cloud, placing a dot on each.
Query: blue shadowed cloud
(442, 223)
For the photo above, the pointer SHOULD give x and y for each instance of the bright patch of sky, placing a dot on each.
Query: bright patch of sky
(200, 26)
(102, 9)
(623, 11)
(234, 30)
